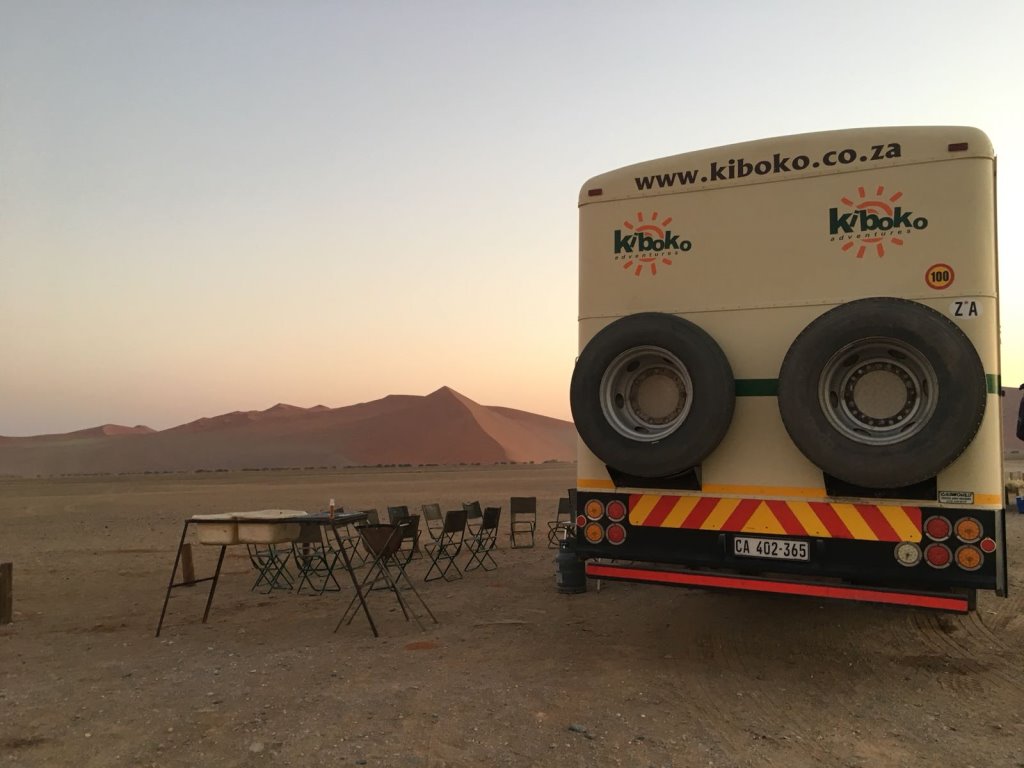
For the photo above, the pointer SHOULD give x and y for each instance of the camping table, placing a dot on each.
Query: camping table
(320, 518)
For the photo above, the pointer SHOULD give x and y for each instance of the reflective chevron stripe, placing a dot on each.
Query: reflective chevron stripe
(864, 522)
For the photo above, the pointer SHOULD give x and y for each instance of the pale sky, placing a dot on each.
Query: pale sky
(221, 205)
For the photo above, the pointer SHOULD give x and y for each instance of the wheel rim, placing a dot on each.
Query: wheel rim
(646, 393)
(878, 391)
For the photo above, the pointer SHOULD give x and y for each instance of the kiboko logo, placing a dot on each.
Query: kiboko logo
(646, 243)
(872, 222)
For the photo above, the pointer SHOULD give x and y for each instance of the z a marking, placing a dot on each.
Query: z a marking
(965, 308)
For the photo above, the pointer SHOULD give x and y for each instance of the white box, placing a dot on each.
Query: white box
(253, 530)
(216, 529)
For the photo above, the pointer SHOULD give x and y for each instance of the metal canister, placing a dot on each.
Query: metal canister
(570, 575)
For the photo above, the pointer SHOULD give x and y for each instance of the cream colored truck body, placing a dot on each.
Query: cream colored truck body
(759, 247)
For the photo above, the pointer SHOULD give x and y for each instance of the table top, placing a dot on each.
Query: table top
(324, 518)
(318, 518)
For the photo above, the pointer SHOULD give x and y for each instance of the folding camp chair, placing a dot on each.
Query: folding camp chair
(483, 542)
(358, 555)
(349, 539)
(562, 523)
(315, 560)
(271, 564)
(474, 515)
(522, 520)
(384, 543)
(447, 546)
(410, 544)
(433, 520)
(346, 537)
(372, 517)
(397, 513)
(268, 536)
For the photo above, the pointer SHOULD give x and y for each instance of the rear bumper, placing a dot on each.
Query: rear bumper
(952, 601)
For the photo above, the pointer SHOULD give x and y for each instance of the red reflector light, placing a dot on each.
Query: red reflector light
(616, 533)
(596, 192)
(938, 528)
(937, 555)
(581, 520)
(988, 546)
(616, 510)
(959, 147)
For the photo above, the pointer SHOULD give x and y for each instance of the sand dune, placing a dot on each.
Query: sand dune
(443, 427)
(105, 430)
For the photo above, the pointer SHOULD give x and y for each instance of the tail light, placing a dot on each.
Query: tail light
(937, 555)
(603, 521)
(616, 533)
(938, 528)
(616, 511)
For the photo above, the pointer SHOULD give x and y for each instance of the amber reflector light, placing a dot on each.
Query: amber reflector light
(594, 509)
(969, 558)
(593, 532)
(968, 530)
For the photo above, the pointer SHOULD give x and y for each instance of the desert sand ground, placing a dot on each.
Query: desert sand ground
(514, 674)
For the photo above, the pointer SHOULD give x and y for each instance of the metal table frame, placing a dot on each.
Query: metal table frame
(321, 518)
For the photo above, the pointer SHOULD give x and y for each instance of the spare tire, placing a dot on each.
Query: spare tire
(652, 395)
(882, 392)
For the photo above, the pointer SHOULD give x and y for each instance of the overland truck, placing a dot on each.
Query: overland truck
(788, 371)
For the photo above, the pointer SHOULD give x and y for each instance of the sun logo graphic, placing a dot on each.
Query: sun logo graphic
(872, 221)
(645, 242)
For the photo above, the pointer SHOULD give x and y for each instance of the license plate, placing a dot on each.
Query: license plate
(773, 549)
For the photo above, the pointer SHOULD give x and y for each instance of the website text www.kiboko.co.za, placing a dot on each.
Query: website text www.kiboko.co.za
(740, 167)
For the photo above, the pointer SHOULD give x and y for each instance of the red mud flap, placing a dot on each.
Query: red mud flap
(944, 601)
